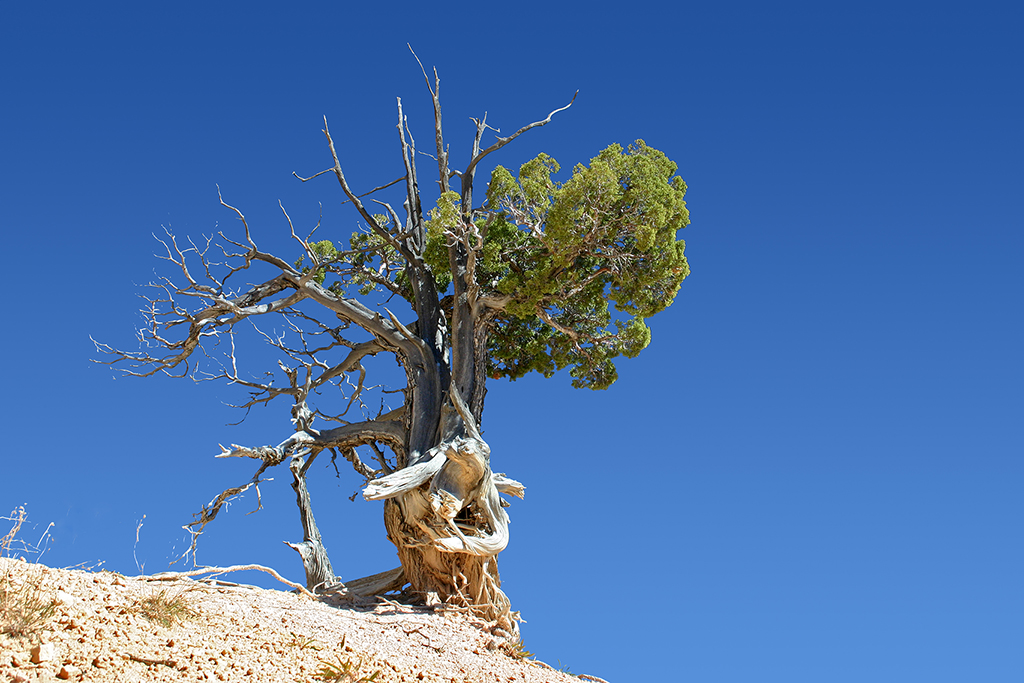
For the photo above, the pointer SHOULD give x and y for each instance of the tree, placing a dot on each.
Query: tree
(541, 275)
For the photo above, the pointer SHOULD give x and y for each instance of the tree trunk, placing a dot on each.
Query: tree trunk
(455, 578)
(319, 573)
(445, 518)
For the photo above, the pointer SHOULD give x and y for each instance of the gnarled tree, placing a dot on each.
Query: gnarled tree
(539, 276)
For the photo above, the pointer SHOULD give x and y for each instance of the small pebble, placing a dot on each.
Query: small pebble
(42, 653)
(67, 671)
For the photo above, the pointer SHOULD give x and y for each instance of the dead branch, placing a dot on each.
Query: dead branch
(479, 156)
(442, 153)
(340, 175)
(171, 576)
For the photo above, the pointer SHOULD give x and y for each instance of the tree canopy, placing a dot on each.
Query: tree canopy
(570, 270)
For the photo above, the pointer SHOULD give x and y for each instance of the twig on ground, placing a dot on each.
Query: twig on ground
(173, 663)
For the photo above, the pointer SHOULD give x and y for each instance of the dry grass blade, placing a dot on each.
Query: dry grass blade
(303, 642)
(17, 518)
(12, 546)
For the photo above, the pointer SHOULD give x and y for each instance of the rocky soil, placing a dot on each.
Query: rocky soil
(106, 628)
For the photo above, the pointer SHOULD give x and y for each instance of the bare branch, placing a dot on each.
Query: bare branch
(389, 432)
(209, 511)
(357, 464)
(504, 141)
(248, 237)
(380, 187)
(508, 486)
(413, 208)
(215, 571)
(465, 413)
(326, 170)
(408, 478)
(381, 459)
(442, 154)
(384, 234)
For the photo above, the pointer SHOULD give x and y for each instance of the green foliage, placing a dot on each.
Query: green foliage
(444, 219)
(325, 252)
(369, 251)
(582, 264)
(571, 253)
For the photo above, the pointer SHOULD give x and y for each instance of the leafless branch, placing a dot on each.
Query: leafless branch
(171, 576)
(442, 153)
(504, 141)
(380, 187)
(326, 170)
(412, 191)
(210, 510)
(370, 220)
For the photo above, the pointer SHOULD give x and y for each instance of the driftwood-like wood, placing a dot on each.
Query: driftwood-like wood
(377, 584)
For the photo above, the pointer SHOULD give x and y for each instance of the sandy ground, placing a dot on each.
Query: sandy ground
(98, 632)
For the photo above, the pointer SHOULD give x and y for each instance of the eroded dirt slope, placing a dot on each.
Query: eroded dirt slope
(98, 632)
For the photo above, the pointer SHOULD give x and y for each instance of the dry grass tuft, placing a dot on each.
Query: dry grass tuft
(24, 609)
(343, 670)
(516, 650)
(166, 608)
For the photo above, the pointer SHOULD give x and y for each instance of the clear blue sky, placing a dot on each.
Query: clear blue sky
(812, 474)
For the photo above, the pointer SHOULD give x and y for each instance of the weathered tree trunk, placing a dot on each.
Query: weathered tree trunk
(457, 578)
(319, 573)
(445, 518)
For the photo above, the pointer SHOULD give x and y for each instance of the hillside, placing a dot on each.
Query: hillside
(104, 627)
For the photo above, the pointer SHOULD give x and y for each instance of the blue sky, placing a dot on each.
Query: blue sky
(814, 471)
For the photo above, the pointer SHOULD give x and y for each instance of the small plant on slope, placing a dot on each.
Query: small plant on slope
(303, 642)
(343, 670)
(23, 606)
(516, 650)
(165, 608)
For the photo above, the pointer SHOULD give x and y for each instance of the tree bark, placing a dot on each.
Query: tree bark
(456, 578)
(319, 573)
